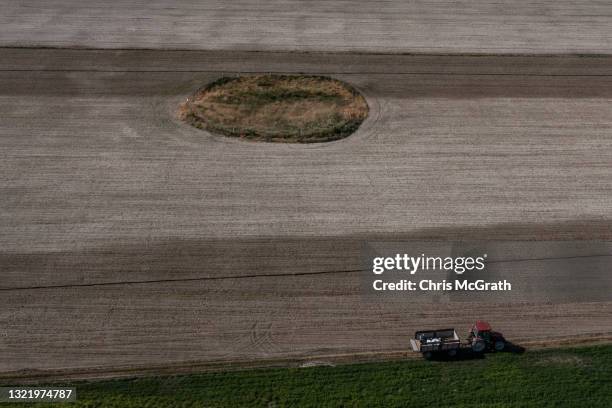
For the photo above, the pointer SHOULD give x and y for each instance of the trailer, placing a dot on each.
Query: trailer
(430, 342)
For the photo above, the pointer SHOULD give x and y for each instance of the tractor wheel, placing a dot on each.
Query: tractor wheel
(478, 346)
(499, 345)
(452, 352)
(427, 355)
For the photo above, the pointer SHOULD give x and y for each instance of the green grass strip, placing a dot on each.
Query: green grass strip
(571, 377)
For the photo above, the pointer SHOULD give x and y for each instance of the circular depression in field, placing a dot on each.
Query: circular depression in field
(277, 108)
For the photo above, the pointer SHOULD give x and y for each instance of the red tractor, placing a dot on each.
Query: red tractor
(482, 338)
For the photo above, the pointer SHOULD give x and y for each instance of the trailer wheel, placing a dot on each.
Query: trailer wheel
(478, 346)
(427, 355)
(452, 352)
(499, 345)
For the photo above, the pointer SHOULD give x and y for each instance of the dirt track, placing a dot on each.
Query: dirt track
(101, 185)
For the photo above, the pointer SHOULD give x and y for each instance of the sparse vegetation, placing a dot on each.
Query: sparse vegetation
(277, 108)
(576, 377)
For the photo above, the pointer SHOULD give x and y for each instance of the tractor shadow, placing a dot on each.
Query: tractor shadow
(513, 348)
(467, 353)
(462, 355)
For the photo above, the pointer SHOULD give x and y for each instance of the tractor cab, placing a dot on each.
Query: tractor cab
(481, 328)
(482, 337)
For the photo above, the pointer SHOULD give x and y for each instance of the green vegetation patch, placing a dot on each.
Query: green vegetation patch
(577, 377)
(277, 108)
